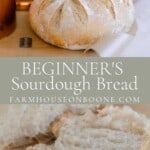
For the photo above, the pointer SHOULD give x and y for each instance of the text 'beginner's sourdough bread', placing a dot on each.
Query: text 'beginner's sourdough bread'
(76, 24)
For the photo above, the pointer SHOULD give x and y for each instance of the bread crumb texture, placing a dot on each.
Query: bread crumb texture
(40, 147)
(113, 128)
(89, 127)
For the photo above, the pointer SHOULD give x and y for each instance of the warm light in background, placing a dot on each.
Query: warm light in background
(23, 4)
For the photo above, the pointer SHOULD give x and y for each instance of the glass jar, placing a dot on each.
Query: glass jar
(7, 16)
(7, 11)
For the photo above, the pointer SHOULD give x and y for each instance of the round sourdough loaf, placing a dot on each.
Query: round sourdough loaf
(112, 128)
(76, 24)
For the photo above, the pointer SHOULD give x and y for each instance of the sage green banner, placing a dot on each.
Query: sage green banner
(74, 80)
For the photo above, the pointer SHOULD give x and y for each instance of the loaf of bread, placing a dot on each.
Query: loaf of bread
(76, 24)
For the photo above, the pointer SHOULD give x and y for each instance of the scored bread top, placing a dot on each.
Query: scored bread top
(75, 24)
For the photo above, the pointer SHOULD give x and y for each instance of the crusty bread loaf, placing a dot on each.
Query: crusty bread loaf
(113, 128)
(76, 24)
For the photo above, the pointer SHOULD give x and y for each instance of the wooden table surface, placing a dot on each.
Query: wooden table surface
(9, 45)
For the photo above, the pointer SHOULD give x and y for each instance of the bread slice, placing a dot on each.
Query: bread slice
(27, 121)
(40, 147)
(112, 128)
(91, 128)
(30, 123)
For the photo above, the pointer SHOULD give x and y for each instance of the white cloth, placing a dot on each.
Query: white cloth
(126, 45)
(140, 46)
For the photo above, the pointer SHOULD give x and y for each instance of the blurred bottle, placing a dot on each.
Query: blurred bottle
(7, 16)
(7, 11)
